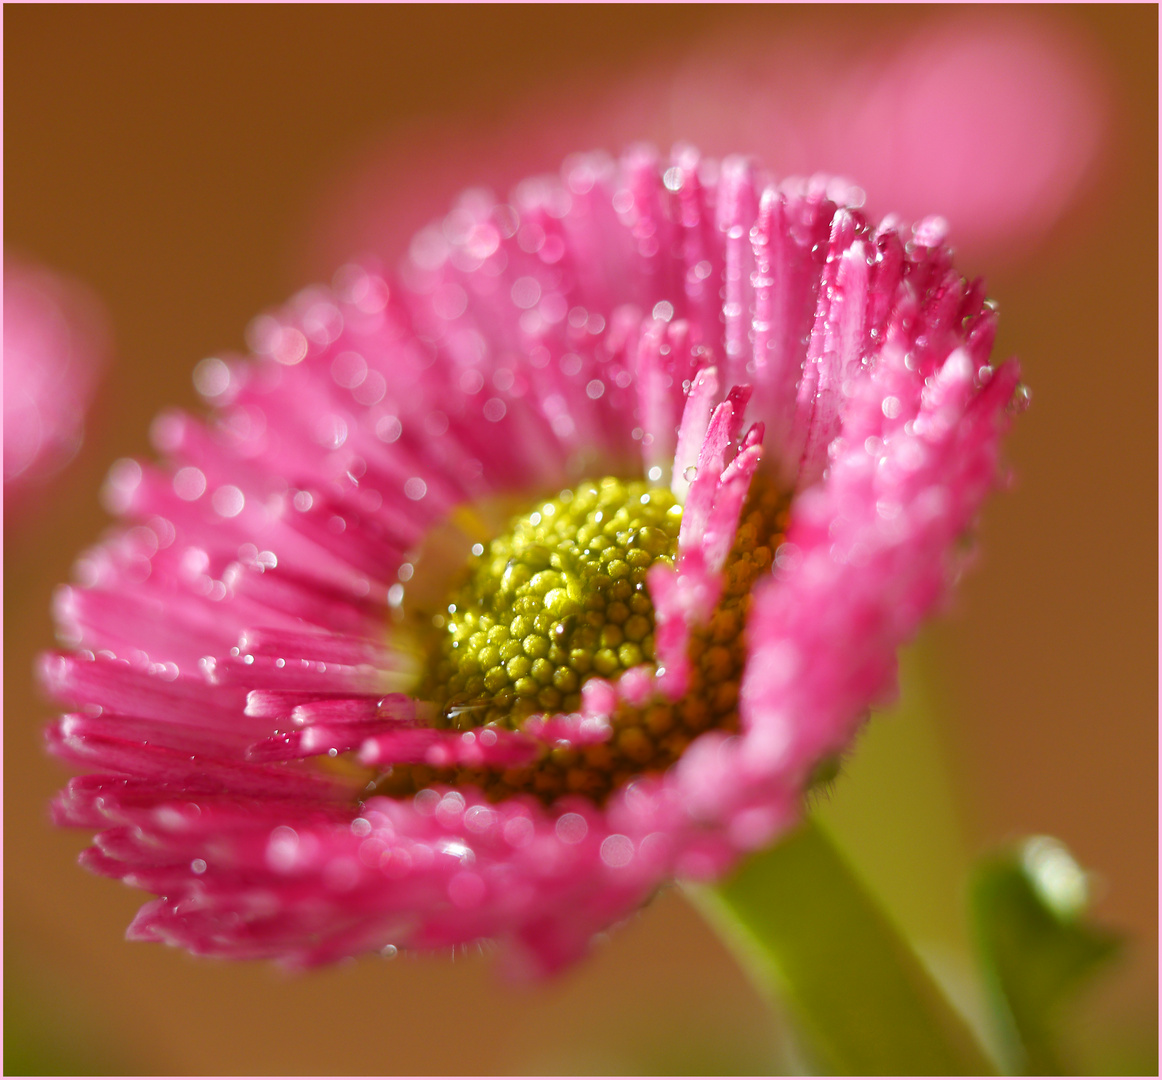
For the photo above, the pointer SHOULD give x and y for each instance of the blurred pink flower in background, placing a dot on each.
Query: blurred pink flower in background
(239, 666)
(992, 118)
(56, 343)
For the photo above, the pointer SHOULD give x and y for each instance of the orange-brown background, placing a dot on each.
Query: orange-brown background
(173, 157)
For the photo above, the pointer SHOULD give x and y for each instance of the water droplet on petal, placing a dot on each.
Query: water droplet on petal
(1022, 398)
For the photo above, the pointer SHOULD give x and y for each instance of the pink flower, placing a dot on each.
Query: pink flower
(318, 724)
(994, 117)
(55, 345)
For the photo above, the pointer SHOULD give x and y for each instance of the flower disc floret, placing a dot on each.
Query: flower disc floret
(561, 596)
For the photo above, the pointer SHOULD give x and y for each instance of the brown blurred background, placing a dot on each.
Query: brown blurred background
(184, 162)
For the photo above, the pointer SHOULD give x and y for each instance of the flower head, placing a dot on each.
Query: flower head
(491, 598)
(55, 344)
(900, 96)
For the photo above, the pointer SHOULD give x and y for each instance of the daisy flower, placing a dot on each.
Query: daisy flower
(55, 345)
(902, 96)
(494, 595)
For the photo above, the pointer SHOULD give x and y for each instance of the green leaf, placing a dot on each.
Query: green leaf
(1036, 948)
(812, 937)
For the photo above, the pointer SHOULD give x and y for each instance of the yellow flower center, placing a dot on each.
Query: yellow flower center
(561, 597)
(558, 598)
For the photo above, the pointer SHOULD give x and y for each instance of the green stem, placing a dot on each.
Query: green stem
(807, 931)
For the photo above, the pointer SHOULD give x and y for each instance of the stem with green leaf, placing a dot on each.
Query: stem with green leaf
(809, 934)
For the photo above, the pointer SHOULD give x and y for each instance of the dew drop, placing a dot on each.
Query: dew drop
(211, 377)
(1021, 400)
(189, 483)
(228, 501)
(572, 828)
